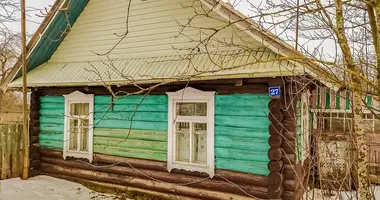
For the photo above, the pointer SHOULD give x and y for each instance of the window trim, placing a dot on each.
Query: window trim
(190, 94)
(79, 97)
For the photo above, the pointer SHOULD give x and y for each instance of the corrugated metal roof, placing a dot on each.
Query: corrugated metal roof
(217, 65)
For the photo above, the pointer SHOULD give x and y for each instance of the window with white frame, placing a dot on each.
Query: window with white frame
(78, 130)
(191, 130)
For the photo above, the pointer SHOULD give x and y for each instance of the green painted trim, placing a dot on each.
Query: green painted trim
(53, 36)
(369, 101)
(259, 168)
(337, 101)
(133, 153)
(348, 101)
(147, 135)
(328, 99)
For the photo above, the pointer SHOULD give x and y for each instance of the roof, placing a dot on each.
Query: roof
(154, 50)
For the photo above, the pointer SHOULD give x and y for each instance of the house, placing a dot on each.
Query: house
(129, 95)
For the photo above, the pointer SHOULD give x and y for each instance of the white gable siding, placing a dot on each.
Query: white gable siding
(153, 27)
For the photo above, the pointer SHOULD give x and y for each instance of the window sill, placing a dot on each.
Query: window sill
(192, 167)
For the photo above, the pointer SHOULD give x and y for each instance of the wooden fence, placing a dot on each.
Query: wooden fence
(10, 150)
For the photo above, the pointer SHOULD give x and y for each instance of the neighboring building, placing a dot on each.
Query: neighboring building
(211, 131)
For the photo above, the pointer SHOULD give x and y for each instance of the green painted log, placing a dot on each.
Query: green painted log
(133, 153)
(53, 106)
(135, 116)
(237, 154)
(52, 120)
(132, 134)
(51, 144)
(242, 121)
(242, 132)
(255, 100)
(242, 111)
(51, 136)
(133, 99)
(54, 112)
(52, 99)
(130, 143)
(102, 108)
(254, 144)
(139, 125)
(141, 108)
(259, 168)
(51, 128)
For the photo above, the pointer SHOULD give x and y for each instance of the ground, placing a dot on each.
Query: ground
(47, 188)
(317, 194)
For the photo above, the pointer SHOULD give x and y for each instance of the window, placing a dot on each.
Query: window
(78, 131)
(191, 131)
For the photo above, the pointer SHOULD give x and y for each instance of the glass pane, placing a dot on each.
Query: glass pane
(199, 143)
(79, 109)
(73, 136)
(183, 141)
(192, 109)
(84, 135)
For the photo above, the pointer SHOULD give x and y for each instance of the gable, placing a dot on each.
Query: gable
(156, 47)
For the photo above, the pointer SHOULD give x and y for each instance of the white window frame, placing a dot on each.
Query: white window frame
(79, 97)
(191, 95)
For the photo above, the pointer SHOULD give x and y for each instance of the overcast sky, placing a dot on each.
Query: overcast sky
(33, 19)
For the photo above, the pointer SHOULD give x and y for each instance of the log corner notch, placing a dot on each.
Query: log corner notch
(34, 130)
(275, 166)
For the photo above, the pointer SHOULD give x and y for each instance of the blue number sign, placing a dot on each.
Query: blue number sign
(274, 92)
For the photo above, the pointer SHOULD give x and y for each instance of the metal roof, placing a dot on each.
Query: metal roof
(217, 65)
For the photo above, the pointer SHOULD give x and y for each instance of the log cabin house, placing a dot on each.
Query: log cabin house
(119, 99)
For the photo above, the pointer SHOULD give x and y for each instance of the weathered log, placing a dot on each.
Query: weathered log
(278, 81)
(275, 179)
(275, 192)
(34, 114)
(289, 146)
(35, 130)
(140, 183)
(34, 139)
(119, 189)
(289, 135)
(288, 195)
(275, 116)
(289, 158)
(275, 105)
(276, 129)
(216, 185)
(291, 185)
(275, 154)
(275, 140)
(236, 177)
(292, 171)
(275, 166)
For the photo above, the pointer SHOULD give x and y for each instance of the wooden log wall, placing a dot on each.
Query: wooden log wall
(153, 176)
(292, 170)
(34, 130)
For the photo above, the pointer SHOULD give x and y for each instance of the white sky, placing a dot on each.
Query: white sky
(32, 18)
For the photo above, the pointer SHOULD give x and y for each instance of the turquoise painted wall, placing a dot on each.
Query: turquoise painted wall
(134, 126)
(241, 128)
(52, 115)
(241, 133)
